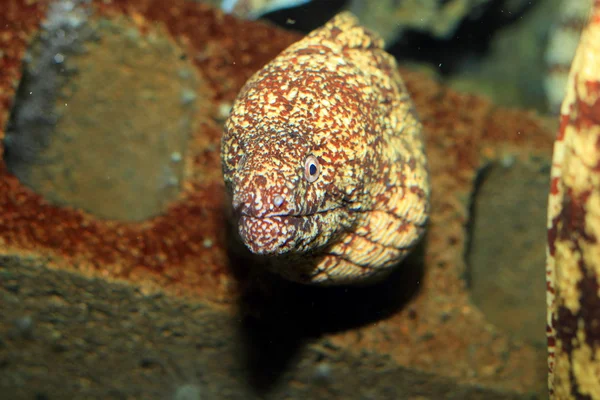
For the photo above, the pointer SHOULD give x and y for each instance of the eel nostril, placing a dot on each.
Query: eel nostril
(278, 200)
(243, 202)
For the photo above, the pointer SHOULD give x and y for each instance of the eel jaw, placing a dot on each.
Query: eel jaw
(268, 235)
(275, 235)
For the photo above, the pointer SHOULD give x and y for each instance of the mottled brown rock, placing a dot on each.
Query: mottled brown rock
(506, 277)
(418, 321)
(66, 104)
(573, 263)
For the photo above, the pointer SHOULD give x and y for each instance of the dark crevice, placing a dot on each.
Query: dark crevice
(307, 17)
(480, 178)
(470, 41)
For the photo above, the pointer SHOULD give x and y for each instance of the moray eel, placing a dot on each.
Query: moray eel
(573, 247)
(324, 162)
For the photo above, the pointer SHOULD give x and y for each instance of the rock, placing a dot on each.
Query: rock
(64, 109)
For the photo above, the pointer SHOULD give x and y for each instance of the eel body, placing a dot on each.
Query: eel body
(323, 159)
(573, 262)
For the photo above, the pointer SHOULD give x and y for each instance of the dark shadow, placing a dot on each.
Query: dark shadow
(279, 317)
(480, 177)
(471, 40)
(307, 17)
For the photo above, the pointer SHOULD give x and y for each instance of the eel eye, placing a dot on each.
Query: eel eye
(312, 169)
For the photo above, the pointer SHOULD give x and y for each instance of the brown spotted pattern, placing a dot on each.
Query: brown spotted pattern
(573, 268)
(335, 96)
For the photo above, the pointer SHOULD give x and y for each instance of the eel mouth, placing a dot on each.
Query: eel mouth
(278, 234)
(271, 235)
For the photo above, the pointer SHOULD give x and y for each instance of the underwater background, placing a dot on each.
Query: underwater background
(118, 279)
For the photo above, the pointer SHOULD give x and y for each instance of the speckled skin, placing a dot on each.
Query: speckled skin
(573, 267)
(335, 96)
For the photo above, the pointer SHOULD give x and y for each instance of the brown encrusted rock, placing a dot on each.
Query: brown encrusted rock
(136, 169)
(573, 264)
(155, 308)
